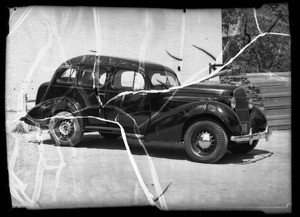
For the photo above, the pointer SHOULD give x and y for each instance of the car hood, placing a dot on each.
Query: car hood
(202, 91)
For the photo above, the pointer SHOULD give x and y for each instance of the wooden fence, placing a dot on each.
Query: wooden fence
(26, 101)
(275, 91)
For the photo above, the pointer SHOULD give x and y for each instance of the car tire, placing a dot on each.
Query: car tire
(110, 135)
(205, 142)
(65, 129)
(242, 148)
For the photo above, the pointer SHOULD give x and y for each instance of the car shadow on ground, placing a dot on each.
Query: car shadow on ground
(251, 157)
(159, 150)
(163, 150)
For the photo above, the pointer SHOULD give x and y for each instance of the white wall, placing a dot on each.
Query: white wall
(41, 38)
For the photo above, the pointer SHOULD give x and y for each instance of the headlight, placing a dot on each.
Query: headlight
(232, 102)
(250, 103)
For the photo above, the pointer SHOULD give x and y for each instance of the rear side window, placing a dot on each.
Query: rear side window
(67, 77)
(87, 77)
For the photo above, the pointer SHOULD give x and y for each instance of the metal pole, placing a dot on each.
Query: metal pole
(26, 102)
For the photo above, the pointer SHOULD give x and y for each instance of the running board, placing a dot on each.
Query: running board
(135, 136)
(114, 130)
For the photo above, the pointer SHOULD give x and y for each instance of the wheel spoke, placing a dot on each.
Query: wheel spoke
(65, 129)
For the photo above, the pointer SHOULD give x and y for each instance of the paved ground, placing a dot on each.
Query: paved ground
(99, 173)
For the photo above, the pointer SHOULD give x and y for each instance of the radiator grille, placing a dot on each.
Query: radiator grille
(243, 114)
(241, 98)
(242, 109)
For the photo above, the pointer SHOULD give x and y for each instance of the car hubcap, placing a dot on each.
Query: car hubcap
(66, 128)
(204, 141)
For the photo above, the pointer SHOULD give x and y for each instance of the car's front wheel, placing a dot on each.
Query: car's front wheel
(65, 129)
(205, 142)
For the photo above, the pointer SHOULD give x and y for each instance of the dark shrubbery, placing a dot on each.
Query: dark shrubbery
(19, 129)
(270, 53)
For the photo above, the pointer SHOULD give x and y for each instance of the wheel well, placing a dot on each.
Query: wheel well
(55, 113)
(66, 110)
(202, 117)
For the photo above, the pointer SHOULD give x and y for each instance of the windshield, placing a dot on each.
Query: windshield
(163, 79)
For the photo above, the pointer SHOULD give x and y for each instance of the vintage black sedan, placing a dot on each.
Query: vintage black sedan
(92, 93)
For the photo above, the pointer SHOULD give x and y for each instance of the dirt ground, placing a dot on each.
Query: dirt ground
(98, 173)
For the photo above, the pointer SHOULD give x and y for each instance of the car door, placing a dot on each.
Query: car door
(87, 92)
(130, 107)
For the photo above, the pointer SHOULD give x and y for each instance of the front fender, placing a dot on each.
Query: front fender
(42, 112)
(169, 126)
(258, 120)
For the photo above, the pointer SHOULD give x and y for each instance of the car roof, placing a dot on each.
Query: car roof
(115, 62)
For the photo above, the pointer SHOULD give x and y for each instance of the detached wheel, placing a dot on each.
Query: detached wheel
(242, 148)
(65, 129)
(110, 135)
(205, 142)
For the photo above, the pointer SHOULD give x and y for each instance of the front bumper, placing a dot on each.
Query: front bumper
(252, 136)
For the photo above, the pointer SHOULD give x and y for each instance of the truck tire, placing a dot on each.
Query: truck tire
(65, 129)
(205, 142)
(242, 148)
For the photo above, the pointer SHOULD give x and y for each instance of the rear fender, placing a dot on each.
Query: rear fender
(42, 112)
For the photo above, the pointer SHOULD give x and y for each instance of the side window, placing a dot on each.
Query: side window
(157, 78)
(67, 77)
(162, 79)
(129, 80)
(139, 82)
(87, 77)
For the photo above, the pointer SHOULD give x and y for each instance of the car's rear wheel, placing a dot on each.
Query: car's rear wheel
(205, 142)
(65, 129)
(110, 135)
(242, 148)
